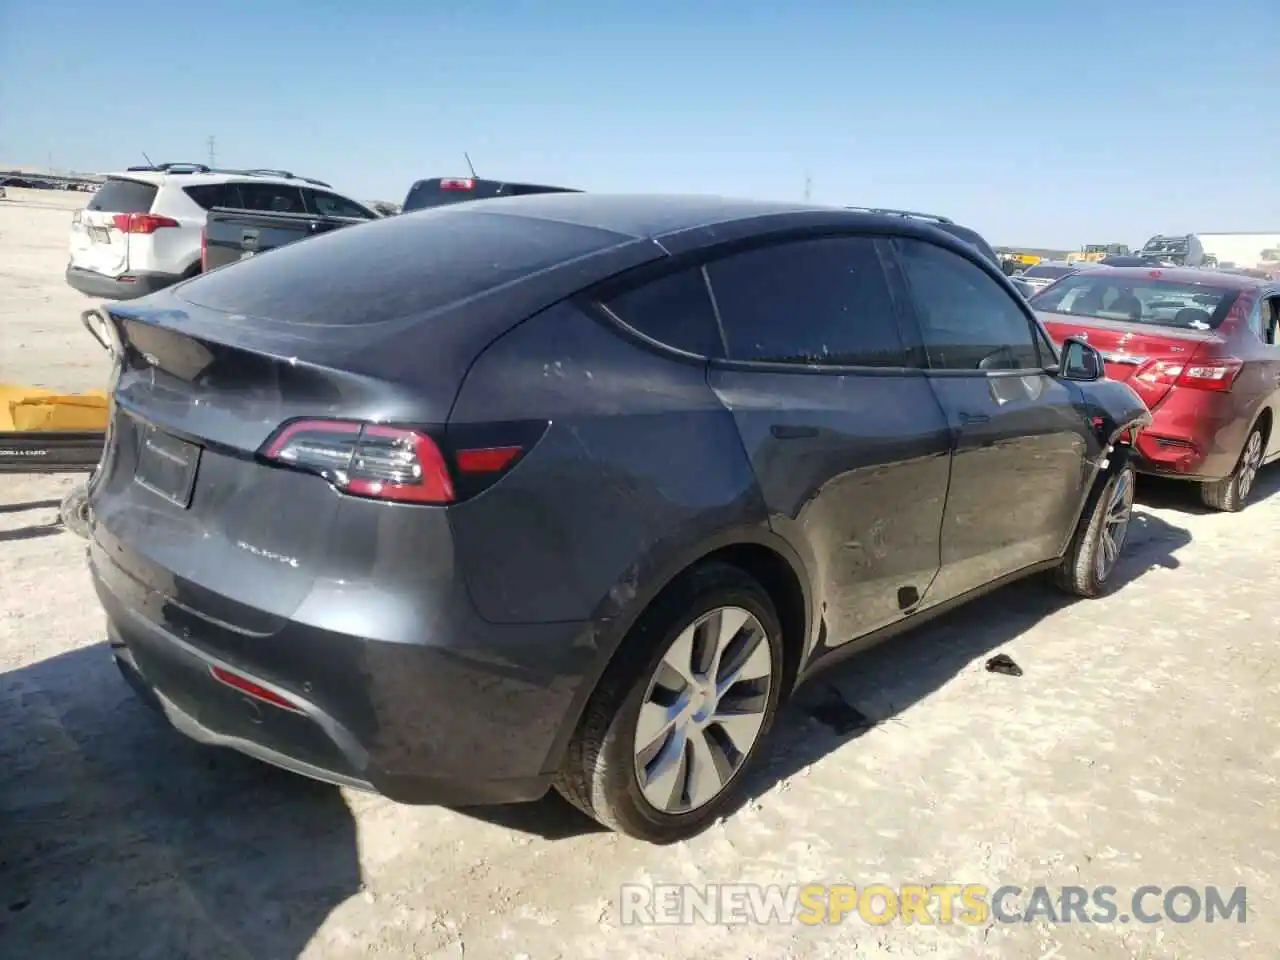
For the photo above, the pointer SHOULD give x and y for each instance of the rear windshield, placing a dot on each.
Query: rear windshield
(1187, 306)
(123, 196)
(1047, 273)
(440, 191)
(391, 268)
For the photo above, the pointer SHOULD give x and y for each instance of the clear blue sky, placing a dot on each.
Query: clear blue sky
(1036, 123)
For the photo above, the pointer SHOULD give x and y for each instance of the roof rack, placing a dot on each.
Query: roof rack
(889, 212)
(185, 167)
(282, 174)
(179, 167)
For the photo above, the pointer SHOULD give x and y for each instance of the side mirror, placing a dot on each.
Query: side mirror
(1080, 361)
(1024, 288)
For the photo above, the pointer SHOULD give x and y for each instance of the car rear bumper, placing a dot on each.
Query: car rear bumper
(1193, 435)
(128, 287)
(452, 720)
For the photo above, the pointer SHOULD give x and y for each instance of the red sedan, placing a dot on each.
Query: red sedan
(1200, 348)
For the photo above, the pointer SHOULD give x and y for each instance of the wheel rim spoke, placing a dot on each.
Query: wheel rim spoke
(708, 770)
(663, 778)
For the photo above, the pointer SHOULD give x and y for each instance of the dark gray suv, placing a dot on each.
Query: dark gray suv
(574, 489)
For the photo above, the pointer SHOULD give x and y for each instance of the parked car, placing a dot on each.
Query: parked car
(141, 232)
(442, 191)
(1200, 348)
(231, 235)
(462, 505)
(1046, 272)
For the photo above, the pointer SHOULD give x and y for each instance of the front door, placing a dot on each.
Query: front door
(1023, 447)
(849, 447)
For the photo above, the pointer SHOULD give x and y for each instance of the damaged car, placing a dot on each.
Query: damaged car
(572, 491)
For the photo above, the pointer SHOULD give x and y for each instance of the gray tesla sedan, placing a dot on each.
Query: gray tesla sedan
(573, 490)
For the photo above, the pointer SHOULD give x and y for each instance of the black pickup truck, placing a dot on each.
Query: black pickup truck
(231, 235)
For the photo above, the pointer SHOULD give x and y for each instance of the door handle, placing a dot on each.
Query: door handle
(968, 418)
(782, 432)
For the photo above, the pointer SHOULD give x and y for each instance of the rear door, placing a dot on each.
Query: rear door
(1264, 328)
(848, 444)
(97, 241)
(1021, 441)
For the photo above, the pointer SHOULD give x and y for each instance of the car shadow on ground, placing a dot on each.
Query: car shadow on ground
(873, 688)
(121, 838)
(1183, 496)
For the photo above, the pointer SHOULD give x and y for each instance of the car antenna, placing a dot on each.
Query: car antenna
(470, 166)
(146, 158)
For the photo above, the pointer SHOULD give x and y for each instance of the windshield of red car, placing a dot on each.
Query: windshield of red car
(1148, 300)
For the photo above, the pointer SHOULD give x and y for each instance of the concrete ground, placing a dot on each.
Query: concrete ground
(1139, 747)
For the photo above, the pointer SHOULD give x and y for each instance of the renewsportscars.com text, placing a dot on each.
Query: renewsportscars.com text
(939, 903)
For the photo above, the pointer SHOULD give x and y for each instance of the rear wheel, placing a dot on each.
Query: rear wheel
(682, 711)
(1231, 493)
(1099, 538)
(74, 511)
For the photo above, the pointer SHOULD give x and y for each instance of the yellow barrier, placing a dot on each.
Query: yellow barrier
(34, 409)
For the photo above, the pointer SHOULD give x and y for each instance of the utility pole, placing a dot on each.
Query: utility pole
(213, 151)
(808, 187)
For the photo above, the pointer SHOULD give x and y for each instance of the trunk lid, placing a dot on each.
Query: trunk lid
(97, 242)
(1131, 348)
(182, 501)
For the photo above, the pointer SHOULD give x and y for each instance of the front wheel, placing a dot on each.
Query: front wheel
(1231, 493)
(1094, 552)
(682, 711)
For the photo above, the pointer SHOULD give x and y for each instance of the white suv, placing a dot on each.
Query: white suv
(142, 230)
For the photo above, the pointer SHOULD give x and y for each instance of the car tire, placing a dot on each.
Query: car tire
(74, 511)
(1097, 545)
(601, 774)
(1231, 493)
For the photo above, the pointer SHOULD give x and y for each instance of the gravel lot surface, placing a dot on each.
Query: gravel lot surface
(1139, 747)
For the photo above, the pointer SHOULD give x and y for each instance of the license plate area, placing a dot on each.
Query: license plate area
(99, 234)
(166, 465)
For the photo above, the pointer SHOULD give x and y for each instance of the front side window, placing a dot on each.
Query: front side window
(967, 320)
(332, 205)
(819, 302)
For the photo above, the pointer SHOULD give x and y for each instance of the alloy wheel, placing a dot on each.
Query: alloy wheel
(703, 711)
(1249, 465)
(1115, 525)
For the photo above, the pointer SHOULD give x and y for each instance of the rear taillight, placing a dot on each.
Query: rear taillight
(457, 183)
(401, 464)
(141, 222)
(366, 460)
(204, 249)
(1217, 374)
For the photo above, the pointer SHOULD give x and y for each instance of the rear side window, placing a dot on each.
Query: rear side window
(393, 267)
(823, 301)
(967, 320)
(210, 195)
(124, 196)
(271, 198)
(332, 205)
(674, 310)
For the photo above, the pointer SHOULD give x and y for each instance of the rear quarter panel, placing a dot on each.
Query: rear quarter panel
(641, 463)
